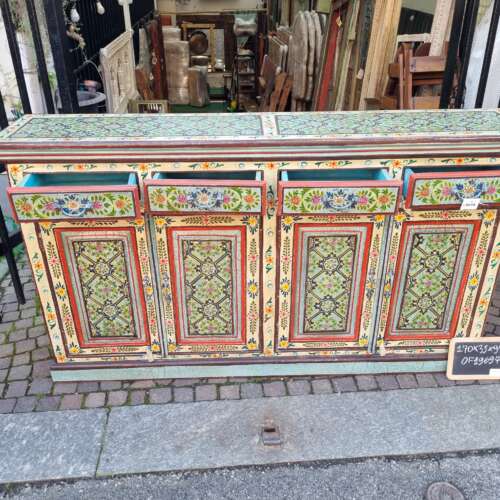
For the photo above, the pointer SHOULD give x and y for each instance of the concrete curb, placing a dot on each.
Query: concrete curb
(129, 440)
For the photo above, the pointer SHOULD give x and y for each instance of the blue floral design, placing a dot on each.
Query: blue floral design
(205, 199)
(470, 188)
(338, 199)
(73, 205)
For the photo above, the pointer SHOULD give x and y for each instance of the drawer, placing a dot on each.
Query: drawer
(226, 192)
(76, 196)
(353, 191)
(440, 188)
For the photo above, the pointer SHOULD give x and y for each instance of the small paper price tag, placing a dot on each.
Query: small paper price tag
(470, 203)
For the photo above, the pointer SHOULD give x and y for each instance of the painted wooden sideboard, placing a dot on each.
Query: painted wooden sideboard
(257, 244)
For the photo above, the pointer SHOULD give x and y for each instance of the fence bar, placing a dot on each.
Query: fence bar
(63, 65)
(7, 247)
(4, 122)
(40, 56)
(451, 59)
(466, 40)
(488, 52)
(15, 55)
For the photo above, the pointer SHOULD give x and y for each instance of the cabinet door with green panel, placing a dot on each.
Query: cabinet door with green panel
(435, 269)
(332, 234)
(207, 234)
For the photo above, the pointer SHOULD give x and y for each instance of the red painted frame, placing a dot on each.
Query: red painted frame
(199, 340)
(202, 183)
(462, 285)
(69, 288)
(296, 273)
(72, 189)
(338, 184)
(445, 175)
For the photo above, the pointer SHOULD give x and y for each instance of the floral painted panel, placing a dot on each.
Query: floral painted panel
(88, 205)
(123, 127)
(206, 269)
(208, 281)
(432, 192)
(328, 270)
(104, 285)
(389, 123)
(209, 198)
(326, 286)
(354, 200)
(434, 262)
(101, 279)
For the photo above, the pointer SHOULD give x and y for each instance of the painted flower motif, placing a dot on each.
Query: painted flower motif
(468, 189)
(460, 161)
(205, 165)
(156, 347)
(396, 163)
(38, 266)
(379, 218)
(73, 205)
(143, 168)
(51, 316)
(120, 204)
(79, 167)
(288, 220)
(399, 217)
(285, 286)
(160, 222)
(251, 344)
(446, 191)
(253, 289)
(473, 281)
(25, 207)
(268, 309)
(171, 347)
(363, 342)
(74, 349)
(339, 199)
(51, 206)
(283, 343)
(14, 170)
(204, 198)
(60, 291)
(271, 165)
(489, 215)
(97, 205)
(332, 163)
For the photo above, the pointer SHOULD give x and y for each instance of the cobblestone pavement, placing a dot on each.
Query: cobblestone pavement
(26, 386)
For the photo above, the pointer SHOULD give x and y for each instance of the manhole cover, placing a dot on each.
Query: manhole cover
(443, 491)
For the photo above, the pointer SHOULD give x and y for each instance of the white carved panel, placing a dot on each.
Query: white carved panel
(118, 69)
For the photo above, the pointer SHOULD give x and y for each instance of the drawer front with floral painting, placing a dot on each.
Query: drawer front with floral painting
(70, 196)
(436, 266)
(208, 245)
(434, 189)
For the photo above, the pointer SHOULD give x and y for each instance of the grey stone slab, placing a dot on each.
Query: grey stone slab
(51, 445)
(316, 427)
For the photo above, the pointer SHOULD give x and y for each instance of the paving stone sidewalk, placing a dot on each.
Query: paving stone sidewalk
(26, 386)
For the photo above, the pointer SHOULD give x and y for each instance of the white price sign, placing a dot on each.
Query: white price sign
(470, 203)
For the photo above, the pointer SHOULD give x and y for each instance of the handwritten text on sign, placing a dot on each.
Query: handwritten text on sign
(474, 358)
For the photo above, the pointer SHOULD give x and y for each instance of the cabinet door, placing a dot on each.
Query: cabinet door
(101, 280)
(435, 271)
(208, 246)
(331, 241)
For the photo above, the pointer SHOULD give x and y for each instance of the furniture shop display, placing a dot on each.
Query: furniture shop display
(257, 244)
